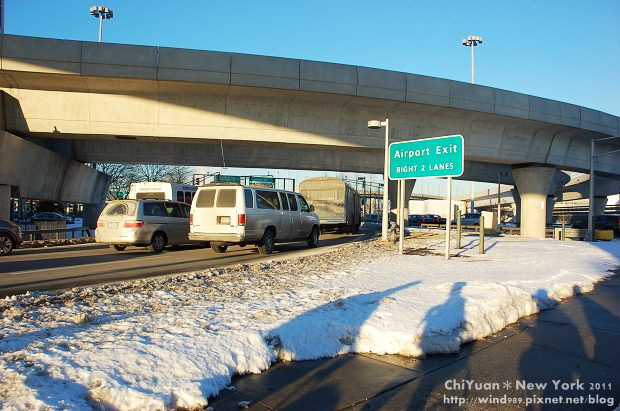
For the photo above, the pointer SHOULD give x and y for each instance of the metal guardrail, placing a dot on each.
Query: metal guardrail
(549, 232)
(35, 233)
(434, 225)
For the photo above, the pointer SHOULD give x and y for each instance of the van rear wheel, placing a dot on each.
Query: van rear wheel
(218, 249)
(267, 243)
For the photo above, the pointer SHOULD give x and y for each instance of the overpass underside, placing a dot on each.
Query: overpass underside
(135, 104)
(106, 116)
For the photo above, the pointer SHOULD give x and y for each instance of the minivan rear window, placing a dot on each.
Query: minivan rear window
(226, 197)
(205, 199)
(154, 210)
(122, 209)
(267, 199)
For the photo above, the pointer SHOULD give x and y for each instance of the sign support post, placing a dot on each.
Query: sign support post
(401, 216)
(449, 217)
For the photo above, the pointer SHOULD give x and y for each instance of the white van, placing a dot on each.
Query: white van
(157, 190)
(225, 214)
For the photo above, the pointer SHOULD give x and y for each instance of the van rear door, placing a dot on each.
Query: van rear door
(216, 210)
(203, 217)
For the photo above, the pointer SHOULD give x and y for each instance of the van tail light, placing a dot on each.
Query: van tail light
(241, 219)
(191, 219)
(134, 224)
(99, 224)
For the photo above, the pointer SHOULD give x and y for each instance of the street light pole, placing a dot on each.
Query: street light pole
(100, 27)
(500, 174)
(472, 65)
(471, 42)
(376, 124)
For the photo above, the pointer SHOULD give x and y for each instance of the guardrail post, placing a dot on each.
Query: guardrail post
(563, 231)
(481, 228)
(458, 228)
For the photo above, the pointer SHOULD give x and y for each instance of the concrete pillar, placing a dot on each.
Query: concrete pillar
(600, 202)
(5, 202)
(517, 199)
(549, 206)
(393, 197)
(91, 214)
(533, 183)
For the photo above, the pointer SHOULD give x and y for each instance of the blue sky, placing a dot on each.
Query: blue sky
(565, 50)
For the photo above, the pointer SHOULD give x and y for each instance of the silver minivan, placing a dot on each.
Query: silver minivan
(225, 214)
(143, 223)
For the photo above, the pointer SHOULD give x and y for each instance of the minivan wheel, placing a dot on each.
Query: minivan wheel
(158, 243)
(267, 243)
(219, 249)
(313, 240)
(118, 247)
(6, 244)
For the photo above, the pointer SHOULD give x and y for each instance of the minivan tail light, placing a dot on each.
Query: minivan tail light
(99, 224)
(241, 219)
(134, 224)
(191, 219)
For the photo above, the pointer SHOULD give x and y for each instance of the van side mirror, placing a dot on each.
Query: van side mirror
(311, 208)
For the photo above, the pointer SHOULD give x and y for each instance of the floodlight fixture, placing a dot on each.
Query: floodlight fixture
(101, 13)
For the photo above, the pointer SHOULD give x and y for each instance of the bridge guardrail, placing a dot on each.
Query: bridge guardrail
(33, 234)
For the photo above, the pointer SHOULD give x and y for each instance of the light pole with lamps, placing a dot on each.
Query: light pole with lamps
(591, 228)
(500, 174)
(363, 180)
(471, 42)
(102, 13)
(373, 125)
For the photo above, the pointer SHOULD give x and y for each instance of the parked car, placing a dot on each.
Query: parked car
(469, 219)
(143, 223)
(601, 222)
(415, 219)
(226, 213)
(10, 236)
(433, 219)
(50, 216)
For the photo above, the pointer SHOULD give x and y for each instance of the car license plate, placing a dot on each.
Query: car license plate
(112, 225)
(223, 219)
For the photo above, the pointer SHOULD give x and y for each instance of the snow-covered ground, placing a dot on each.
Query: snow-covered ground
(159, 343)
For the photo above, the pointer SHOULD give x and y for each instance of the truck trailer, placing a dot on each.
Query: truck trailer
(335, 202)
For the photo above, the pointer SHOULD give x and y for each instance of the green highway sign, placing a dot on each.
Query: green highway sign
(429, 157)
(228, 179)
(262, 180)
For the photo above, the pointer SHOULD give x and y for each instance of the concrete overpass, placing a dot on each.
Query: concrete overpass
(97, 102)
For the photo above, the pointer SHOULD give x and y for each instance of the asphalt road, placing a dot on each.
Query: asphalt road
(53, 268)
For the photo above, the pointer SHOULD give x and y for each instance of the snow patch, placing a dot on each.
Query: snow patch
(174, 342)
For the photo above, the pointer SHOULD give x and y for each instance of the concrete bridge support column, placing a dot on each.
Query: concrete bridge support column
(550, 204)
(91, 214)
(600, 202)
(393, 198)
(517, 199)
(5, 202)
(533, 182)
